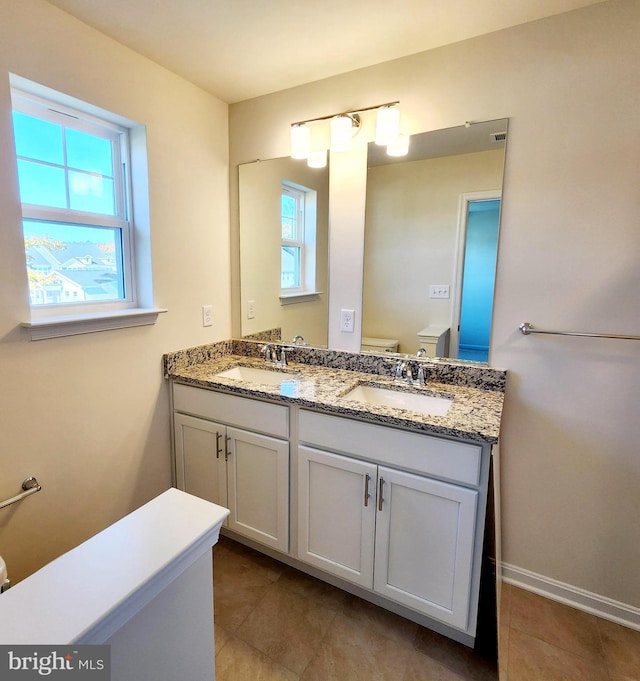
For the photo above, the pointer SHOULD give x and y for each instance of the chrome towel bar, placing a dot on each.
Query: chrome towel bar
(29, 485)
(526, 328)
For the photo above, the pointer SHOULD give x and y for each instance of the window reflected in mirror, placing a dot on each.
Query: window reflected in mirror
(284, 215)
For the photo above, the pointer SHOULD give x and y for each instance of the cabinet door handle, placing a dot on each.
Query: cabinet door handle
(367, 477)
(218, 448)
(380, 497)
(227, 439)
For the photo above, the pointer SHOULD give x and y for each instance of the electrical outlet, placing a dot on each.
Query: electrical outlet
(207, 315)
(251, 309)
(439, 291)
(346, 320)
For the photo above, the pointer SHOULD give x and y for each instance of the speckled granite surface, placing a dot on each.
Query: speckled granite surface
(321, 378)
(268, 336)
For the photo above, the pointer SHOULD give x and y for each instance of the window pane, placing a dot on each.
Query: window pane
(290, 267)
(91, 193)
(42, 185)
(88, 152)
(37, 139)
(70, 263)
(288, 210)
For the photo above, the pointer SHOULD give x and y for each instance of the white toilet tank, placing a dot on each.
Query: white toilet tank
(435, 340)
(378, 345)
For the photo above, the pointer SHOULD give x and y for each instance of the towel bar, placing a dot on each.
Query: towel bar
(29, 485)
(526, 328)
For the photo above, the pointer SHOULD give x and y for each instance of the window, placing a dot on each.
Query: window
(292, 215)
(298, 242)
(73, 175)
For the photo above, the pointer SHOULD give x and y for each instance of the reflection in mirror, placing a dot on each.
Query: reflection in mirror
(284, 215)
(431, 238)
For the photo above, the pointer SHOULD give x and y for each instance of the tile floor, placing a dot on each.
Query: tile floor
(541, 640)
(274, 623)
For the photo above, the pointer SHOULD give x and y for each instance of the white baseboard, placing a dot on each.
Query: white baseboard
(601, 606)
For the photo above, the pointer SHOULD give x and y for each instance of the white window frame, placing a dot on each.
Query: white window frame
(306, 201)
(299, 241)
(71, 318)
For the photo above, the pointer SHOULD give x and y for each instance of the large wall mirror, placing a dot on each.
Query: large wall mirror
(431, 238)
(284, 216)
(430, 248)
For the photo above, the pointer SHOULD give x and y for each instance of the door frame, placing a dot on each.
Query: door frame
(458, 268)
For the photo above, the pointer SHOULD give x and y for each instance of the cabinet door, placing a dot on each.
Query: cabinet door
(258, 473)
(200, 461)
(336, 501)
(424, 545)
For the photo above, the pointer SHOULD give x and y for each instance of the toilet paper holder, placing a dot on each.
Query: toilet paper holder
(29, 485)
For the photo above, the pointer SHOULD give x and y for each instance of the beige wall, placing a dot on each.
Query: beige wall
(569, 259)
(88, 415)
(412, 244)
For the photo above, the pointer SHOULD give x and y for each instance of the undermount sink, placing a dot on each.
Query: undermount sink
(256, 375)
(400, 399)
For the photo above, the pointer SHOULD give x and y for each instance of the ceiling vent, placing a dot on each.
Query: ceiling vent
(498, 136)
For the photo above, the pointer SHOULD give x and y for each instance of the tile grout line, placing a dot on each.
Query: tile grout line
(317, 651)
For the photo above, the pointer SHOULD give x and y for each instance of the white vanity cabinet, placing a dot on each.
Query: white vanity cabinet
(244, 470)
(394, 529)
(396, 516)
(424, 544)
(336, 514)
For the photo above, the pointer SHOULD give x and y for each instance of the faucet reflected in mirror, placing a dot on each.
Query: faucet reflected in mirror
(419, 210)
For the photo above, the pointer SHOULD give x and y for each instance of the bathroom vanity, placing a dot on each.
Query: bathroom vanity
(385, 501)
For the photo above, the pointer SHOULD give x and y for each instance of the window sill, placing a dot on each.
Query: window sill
(303, 297)
(73, 325)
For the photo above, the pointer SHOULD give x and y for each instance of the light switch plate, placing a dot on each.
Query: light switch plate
(439, 291)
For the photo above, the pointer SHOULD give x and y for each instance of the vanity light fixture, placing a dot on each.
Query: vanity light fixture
(387, 124)
(317, 159)
(300, 141)
(343, 127)
(398, 145)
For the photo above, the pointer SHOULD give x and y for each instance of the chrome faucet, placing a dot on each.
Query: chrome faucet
(421, 352)
(269, 352)
(271, 355)
(404, 371)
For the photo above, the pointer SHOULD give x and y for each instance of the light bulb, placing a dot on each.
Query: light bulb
(387, 124)
(341, 132)
(317, 159)
(300, 141)
(398, 146)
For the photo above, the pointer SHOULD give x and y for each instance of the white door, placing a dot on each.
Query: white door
(258, 481)
(336, 522)
(424, 544)
(200, 460)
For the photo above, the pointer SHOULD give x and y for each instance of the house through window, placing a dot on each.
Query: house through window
(73, 179)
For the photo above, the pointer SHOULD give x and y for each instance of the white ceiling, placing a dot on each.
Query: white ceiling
(239, 49)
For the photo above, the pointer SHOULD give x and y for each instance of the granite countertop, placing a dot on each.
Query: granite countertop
(474, 415)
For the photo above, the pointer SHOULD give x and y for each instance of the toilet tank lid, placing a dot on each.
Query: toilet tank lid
(433, 330)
